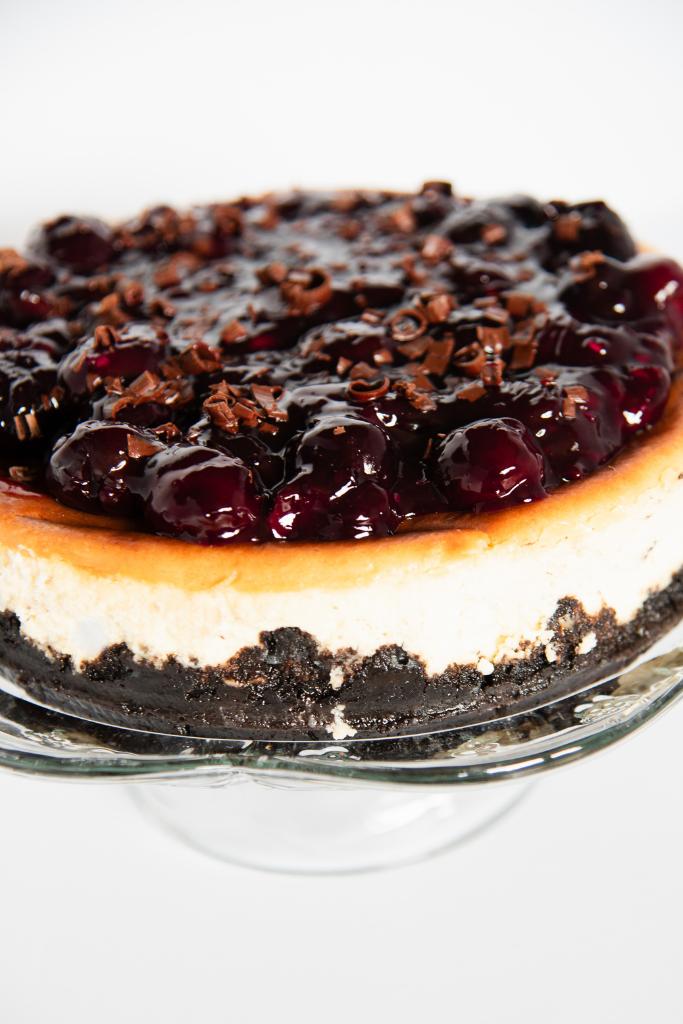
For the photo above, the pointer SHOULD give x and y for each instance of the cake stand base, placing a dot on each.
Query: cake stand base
(314, 828)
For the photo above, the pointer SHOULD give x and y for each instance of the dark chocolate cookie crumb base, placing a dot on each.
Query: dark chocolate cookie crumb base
(281, 689)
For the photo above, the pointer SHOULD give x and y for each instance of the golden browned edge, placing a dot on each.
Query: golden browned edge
(110, 547)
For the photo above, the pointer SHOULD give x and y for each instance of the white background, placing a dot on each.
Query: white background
(569, 910)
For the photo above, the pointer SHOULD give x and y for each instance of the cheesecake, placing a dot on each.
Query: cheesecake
(318, 466)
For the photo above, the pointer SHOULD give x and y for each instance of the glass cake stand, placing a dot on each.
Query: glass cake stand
(340, 806)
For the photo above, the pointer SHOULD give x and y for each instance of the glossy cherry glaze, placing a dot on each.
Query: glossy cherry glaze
(329, 366)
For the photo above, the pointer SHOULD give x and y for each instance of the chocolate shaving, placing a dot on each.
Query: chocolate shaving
(160, 306)
(472, 392)
(140, 447)
(267, 398)
(362, 371)
(383, 357)
(23, 474)
(372, 316)
(413, 275)
(109, 310)
(148, 388)
(167, 432)
(435, 248)
(171, 273)
(197, 357)
(574, 394)
(105, 337)
(272, 274)
(494, 234)
(585, 264)
(11, 260)
(401, 220)
(438, 356)
(233, 332)
(470, 359)
(230, 407)
(567, 227)
(417, 398)
(362, 390)
(133, 294)
(438, 308)
(519, 304)
(407, 325)
(306, 291)
(218, 407)
(349, 229)
(414, 349)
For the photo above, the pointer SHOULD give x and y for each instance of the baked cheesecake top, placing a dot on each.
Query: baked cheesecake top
(319, 366)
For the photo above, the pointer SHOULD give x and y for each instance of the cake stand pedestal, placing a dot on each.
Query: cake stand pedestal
(306, 829)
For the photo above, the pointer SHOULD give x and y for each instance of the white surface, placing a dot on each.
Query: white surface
(569, 910)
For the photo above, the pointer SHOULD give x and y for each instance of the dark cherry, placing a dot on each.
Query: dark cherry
(646, 389)
(304, 509)
(526, 210)
(25, 296)
(30, 403)
(468, 224)
(416, 495)
(602, 295)
(354, 339)
(643, 288)
(83, 244)
(433, 203)
(576, 437)
(408, 426)
(474, 278)
(658, 283)
(347, 449)
(134, 349)
(564, 341)
(590, 226)
(489, 464)
(200, 494)
(100, 466)
(268, 465)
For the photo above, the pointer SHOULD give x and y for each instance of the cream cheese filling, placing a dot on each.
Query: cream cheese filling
(477, 609)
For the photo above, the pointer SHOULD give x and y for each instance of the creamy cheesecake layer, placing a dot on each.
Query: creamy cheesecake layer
(476, 610)
(475, 594)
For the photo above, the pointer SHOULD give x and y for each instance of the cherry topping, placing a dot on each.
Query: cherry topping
(125, 353)
(346, 449)
(29, 397)
(571, 344)
(268, 466)
(82, 244)
(642, 288)
(489, 464)
(99, 467)
(200, 494)
(24, 294)
(323, 366)
(591, 226)
(305, 509)
(646, 389)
